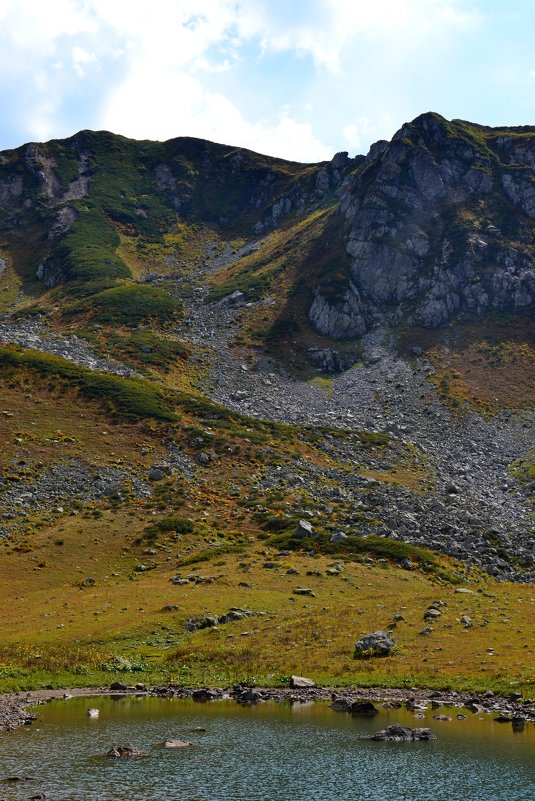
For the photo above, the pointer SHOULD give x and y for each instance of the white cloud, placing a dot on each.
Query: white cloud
(81, 59)
(175, 67)
(164, 92)
(37, 27)
(355, 133)
(162, 104)
(329, 33)
(42, 120)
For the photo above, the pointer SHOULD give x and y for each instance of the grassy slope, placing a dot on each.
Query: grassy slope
(287, 267)
(56, 632)
(120, 617)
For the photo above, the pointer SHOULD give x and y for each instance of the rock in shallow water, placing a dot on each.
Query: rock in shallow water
(397, 733)
(121, 751)
(363, 708)
(174, 744)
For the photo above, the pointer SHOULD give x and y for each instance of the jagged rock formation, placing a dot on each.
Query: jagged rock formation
(440, 224)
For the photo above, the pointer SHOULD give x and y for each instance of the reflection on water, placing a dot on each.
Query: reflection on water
(269, 752)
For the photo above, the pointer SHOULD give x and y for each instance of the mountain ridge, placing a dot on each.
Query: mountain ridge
(404, 260)
(202, 347)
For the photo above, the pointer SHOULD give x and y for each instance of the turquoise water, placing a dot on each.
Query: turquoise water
(269, 752)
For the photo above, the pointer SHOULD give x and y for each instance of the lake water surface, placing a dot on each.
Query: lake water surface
(269, 752)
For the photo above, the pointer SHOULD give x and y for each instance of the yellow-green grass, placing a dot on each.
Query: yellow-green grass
(132, 398)
(486, 377)
(181, 250)
(119, 616)
(49, 422)
(323, 382)
(523, 469)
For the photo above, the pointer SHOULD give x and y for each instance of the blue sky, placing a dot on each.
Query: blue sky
(300, 79)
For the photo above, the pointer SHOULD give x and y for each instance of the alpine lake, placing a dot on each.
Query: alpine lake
(267, 752)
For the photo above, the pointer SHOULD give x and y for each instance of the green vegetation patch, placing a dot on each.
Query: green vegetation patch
(134, 398)
(87, 252)
(180, 525)
(129, 304)
(523, 469)
(206, 556)
(374, 438)
(355, 545)
(175, 524)
(147, 348)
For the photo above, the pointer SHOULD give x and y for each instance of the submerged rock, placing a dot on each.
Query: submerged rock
(518, 723)
(174, 744)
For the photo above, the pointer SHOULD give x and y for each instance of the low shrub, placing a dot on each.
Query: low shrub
(134, 398)
(355, 545)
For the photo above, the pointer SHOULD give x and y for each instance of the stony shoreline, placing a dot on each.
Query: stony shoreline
(14, 707)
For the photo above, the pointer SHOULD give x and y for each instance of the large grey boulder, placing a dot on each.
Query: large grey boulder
(378, 643)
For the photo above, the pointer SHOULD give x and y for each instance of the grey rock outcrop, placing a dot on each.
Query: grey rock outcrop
(330, 361)
(343, 317)
(438, 225)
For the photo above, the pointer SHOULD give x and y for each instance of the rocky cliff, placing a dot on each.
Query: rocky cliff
(440, 224)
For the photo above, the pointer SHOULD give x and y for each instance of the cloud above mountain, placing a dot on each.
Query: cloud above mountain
(299, 80)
